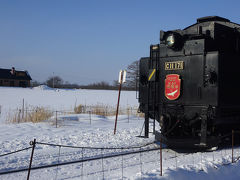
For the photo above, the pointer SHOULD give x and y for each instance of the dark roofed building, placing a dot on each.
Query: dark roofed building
(13, 78)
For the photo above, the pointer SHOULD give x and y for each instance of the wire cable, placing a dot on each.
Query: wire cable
(15, 151)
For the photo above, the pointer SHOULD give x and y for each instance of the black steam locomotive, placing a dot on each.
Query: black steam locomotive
(190, 84)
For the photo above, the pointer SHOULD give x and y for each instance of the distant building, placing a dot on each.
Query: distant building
(13, 78)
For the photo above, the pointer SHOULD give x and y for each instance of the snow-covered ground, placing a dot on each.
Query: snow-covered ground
(58, 99)
(76, 130)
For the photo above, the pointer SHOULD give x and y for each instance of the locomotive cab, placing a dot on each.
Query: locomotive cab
(189, 83)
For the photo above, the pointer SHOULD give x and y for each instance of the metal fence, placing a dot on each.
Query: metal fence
(56, 117)
(116, 162)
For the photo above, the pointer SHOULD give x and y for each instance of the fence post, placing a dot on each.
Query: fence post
(160, 156)
(23, 109)
(232, 144)
(82, 164)
(141, 161)
(19, 115)
(128, 111)
(36, 116)
(58, 161)
(56, 119)
(122, 161)
(90, 117)
(26, 114)
(102, 163)
(33, 143)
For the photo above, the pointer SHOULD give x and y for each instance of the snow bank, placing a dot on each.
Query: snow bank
(42, 87)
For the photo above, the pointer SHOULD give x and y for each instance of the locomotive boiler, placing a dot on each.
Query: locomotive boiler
(190, 84)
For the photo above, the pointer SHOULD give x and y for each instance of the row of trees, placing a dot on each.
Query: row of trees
(131, 79)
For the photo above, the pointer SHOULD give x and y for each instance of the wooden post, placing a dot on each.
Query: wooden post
(19, 114)
(23, 109)
(90, 117)
(26, 114)
(128, 113)
(36, 116)
(33, 143)
(119, 93)
(56, 119)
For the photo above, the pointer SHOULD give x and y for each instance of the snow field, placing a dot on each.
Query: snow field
(76, 130)
(11, 99)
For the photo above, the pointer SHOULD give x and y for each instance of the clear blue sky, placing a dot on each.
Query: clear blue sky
(90, 41)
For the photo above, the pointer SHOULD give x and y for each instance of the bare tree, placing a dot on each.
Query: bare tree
(54, 81)
(115, 84)
(35, 83)
(132, 75)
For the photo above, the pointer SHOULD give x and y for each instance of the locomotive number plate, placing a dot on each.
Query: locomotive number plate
(176, 65)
